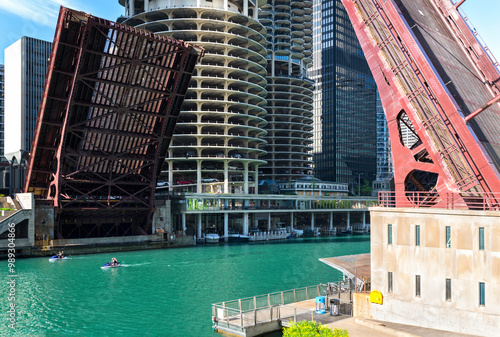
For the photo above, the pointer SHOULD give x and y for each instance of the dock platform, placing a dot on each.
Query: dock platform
(257, 315)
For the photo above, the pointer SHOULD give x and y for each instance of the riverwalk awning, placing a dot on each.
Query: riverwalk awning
(352, 266)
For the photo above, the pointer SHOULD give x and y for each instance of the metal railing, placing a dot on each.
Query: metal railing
(472, 201)
(237, 314)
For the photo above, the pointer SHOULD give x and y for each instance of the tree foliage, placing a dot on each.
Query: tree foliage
(312, 329)
(366, 189)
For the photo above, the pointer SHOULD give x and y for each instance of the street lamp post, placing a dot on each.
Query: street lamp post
(359, 182)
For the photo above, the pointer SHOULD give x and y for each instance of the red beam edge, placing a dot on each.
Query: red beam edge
(459, 4)
(483, 108)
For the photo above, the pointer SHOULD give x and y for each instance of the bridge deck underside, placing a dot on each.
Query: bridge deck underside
(432, 72)
(109, 107)
(457, 71)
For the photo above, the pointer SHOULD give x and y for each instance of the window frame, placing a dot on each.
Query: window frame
(448, 236)
(481, 238)
(390, 282)
(418, 287)
(448, 290)
(482, 294)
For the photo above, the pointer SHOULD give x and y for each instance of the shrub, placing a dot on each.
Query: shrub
(312, 329)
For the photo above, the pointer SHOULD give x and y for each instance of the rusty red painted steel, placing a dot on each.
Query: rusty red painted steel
(474, 171)
(111, 98)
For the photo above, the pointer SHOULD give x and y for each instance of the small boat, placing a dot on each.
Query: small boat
(298, 232)
(346, 232)
(57, 258)
(108, 265)
(308, 233)
(211, 236)
(236, 237)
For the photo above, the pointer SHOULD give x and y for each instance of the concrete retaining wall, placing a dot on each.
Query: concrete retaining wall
(361, 305)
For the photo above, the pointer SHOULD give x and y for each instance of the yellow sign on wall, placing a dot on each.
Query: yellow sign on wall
(376, 297)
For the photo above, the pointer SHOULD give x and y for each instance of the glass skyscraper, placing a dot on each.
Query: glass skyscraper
(345, 99)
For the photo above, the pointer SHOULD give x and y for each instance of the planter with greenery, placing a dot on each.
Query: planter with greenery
(312, 329)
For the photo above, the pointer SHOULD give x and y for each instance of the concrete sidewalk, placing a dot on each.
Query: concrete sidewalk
(367, 327)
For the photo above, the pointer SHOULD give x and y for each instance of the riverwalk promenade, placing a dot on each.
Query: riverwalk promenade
(276, 317)
(366, 327)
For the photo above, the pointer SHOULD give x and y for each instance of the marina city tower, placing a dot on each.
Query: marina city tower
(290, 92)
(219, 136)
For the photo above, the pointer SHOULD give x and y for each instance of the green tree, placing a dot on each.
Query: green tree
(312, 329)
(366, 189)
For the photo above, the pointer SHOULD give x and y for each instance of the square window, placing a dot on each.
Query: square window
(448, 289)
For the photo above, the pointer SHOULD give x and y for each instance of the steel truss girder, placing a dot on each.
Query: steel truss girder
(109, 107)
(408, 81)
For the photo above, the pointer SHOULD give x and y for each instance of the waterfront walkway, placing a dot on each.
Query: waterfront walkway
(367, 327)
(250, 323)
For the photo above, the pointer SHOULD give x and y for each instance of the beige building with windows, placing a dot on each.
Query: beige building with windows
(437, 268)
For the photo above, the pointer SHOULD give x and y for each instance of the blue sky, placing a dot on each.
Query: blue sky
(37, 18)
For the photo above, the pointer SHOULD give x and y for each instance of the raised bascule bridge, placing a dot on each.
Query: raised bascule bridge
(438, 81)
(110, 102)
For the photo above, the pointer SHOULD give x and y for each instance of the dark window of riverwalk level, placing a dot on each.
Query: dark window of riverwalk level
(417, 235)
(389, 282)
(481, 293)
(448, 237)
(417, 285)
(389, 234)
(448, 289)
(481, 238)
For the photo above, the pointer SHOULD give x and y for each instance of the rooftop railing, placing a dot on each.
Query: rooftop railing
(456, 201)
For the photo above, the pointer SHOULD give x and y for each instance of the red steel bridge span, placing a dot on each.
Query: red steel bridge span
(110, 103)
(438, 83)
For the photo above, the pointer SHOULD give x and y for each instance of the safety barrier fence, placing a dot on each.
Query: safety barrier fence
(471, 201)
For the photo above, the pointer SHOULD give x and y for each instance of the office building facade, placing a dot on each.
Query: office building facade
(2, 112)
(26, 63)
(345, 99)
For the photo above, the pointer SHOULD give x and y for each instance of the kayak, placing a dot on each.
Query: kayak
(108, 265)
(56, 258)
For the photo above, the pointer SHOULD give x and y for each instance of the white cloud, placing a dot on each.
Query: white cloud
(43, 12)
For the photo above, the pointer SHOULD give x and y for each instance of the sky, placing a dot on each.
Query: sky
(37, 18)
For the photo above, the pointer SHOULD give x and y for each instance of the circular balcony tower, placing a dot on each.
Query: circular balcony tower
(290, 92)
(219, 140)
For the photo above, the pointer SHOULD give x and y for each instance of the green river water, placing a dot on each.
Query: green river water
(165, 292)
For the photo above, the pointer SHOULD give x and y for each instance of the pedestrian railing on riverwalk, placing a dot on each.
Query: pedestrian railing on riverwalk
(237, 315)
